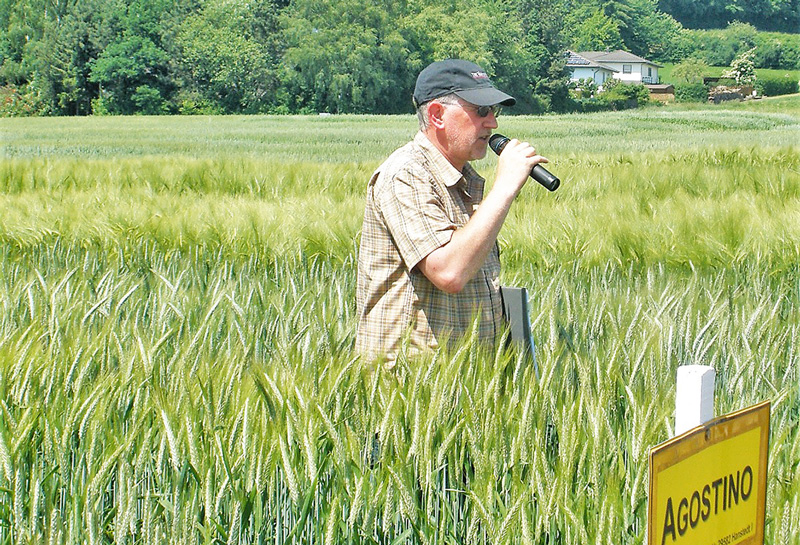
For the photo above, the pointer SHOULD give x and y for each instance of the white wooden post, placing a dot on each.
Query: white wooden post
(694, 397)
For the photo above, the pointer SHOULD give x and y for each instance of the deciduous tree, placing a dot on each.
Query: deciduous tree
(228, 57)
(690, 71)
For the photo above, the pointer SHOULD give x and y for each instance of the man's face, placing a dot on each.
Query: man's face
(467, 132)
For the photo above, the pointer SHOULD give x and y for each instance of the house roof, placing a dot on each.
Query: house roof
(614, 56)
(578, 60)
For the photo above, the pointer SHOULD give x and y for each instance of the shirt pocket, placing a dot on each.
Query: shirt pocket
(458, 205)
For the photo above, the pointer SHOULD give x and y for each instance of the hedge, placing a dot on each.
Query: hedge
(691, 92)
(776, 85)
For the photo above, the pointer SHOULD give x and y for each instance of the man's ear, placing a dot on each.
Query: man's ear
(436, 115)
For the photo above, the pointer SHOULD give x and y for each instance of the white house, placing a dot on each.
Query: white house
(603, 65)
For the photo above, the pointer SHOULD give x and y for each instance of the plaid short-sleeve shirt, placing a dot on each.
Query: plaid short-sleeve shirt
(415, 201)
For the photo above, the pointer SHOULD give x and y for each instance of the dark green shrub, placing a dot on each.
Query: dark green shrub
(691, 92)
(772, 86)
(588, 105)
(790, 54)
(769, 54)
(622, 96)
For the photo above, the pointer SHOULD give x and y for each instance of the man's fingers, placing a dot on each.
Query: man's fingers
(523, 148)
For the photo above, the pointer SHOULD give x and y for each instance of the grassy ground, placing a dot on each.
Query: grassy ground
(177, 322)
(665, 73)
(349, 139)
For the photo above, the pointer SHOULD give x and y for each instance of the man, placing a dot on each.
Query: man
(429, 263)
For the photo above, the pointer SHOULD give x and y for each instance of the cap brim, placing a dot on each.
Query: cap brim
(487, 96)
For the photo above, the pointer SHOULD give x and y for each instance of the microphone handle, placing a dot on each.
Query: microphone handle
(545, 177)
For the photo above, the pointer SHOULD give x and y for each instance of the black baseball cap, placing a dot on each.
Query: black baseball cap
(465, 79)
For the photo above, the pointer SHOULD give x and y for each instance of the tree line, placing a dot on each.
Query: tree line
(771, 15)
(81, 57)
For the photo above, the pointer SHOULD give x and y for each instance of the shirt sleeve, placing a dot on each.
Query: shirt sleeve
(414, 214)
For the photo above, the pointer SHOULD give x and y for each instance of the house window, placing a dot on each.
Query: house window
(626, 68)
(649, 72)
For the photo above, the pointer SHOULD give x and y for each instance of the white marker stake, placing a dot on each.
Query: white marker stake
(694, 397)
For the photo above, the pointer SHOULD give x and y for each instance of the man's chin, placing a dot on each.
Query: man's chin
(480, 152)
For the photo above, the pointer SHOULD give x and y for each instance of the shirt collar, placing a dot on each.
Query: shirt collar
(445, 171)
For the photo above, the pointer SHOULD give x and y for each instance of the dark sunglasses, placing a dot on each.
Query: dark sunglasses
(483, 111)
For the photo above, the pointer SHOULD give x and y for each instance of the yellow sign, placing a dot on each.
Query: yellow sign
(709, 485)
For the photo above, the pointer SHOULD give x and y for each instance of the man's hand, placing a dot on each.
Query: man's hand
(514, 166)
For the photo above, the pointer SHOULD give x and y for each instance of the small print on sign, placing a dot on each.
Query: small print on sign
(733, 538)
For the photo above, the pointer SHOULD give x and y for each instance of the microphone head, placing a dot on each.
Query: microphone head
(497, 142)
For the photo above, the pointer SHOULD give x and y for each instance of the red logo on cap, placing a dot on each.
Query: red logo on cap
(479, 75)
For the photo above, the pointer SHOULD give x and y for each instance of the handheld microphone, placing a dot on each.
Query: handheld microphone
(497, 142)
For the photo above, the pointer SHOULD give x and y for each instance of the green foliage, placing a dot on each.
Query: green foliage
(21, 26)
(772, 86)
(193, 103)
(356, 58)
(665, 74)
(229, 57)
(634, 25)
(530, 58)
(652, 33)
(720, 47)
(148, 101)
(691, 92)
(14, 103)
(620, 96)
(63, 57)
(304, 56)
(583, 88)
(690, 71)
(129, 68)
(100, 107)
(346, 57)
(597, 32)
(774, 15)
(310, 56)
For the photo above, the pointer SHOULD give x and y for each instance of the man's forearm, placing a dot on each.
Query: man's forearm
(451, 266)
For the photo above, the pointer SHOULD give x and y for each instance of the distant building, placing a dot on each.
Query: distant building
(662, 92)
(583, 68)
(601, 66)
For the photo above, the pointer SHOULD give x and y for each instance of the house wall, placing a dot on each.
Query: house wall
(599, 75)
(638, 74)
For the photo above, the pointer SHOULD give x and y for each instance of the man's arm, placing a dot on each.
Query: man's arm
(452, 266)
